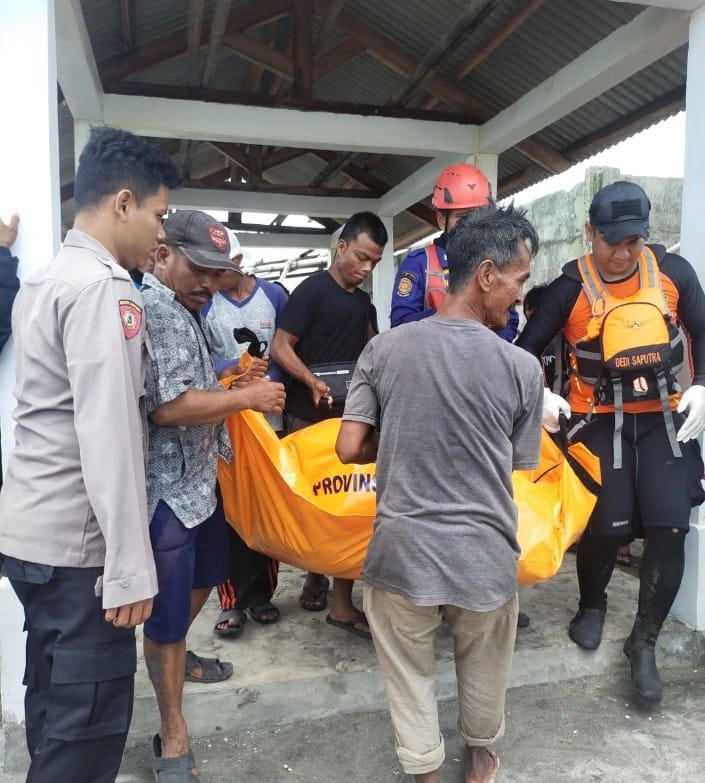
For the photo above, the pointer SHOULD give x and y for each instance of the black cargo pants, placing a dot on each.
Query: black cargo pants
(79, 675)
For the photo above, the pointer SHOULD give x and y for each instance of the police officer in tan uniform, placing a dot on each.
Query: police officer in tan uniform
(74, 538)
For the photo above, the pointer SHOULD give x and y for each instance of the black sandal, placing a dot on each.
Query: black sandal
(266, 614)
(315, 600)
(235, 623)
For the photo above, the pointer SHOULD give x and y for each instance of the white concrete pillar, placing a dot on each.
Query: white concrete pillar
(690, 602)
(29, 161)
(81, 132)
(383, 277)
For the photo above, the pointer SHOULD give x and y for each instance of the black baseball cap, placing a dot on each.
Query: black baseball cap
(621, 210)
(200, 237)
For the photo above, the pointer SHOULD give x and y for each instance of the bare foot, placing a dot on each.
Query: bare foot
(481, 765)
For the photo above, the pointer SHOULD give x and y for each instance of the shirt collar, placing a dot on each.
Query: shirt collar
(78, 238)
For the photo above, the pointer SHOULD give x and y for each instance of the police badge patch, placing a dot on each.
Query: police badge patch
(404, 287)
(130, 316)
(406, 283)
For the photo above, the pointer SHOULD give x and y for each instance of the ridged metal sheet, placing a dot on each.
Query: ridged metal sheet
(553, 36)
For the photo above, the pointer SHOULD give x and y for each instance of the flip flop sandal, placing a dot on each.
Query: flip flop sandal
(316, 600)
(266, 614)
(172, 770)
(214, 670)
(351, 625)
(235, 620)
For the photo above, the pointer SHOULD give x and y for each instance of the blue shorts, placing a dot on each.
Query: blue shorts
(186, 559)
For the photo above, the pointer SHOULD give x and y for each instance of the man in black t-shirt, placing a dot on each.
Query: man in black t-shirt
(329, 319)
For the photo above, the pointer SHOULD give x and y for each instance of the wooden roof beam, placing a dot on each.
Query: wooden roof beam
(376, 185)
(256, 70)
(400, 61)
(255, 158)
(250, 15)
(194, 32)
(302, 51)
(128, 25)
(219, 22)
(274, 188)
(232, 152)
(328, 23)
(258, 53)
(499, 37)
(336, 56)
(281, 155)
(474, 14)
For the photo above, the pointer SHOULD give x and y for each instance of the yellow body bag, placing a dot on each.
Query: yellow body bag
(293, 500)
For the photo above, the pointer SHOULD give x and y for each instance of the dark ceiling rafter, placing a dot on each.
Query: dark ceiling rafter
(399, 60)
(128, 25)
(289, 47)
(335, 57)
(194, 33)
(256, 70)
(376, 185)
(469, 19)
(328, 23)
(221, 12)
(174, 45)
(276, 187)
(500, 36)
(424, 69)
(302, 49)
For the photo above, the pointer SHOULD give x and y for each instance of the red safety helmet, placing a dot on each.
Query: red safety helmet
(461, 186)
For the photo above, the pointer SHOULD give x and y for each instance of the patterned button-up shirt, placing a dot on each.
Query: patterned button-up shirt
(181, 460)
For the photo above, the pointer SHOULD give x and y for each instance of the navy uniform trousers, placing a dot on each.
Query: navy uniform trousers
(79, 675)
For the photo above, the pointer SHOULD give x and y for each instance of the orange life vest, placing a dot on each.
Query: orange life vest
(632, 347)
(436, 279)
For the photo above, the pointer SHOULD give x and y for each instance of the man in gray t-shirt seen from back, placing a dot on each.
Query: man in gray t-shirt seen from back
(444, 543)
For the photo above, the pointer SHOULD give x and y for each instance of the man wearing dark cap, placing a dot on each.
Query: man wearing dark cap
(623, 310)
(186, 406)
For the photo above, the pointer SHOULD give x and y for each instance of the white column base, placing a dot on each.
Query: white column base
(12, 646)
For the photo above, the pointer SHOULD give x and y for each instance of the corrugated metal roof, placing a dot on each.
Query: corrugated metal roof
(550, 38)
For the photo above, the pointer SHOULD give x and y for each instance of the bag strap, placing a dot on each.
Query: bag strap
(594, 287)
(562, 440)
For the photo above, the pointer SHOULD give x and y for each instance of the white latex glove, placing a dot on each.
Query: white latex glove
(553, 405)
(693, 401)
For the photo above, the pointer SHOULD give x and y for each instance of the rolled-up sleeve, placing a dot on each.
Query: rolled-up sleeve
(361, 403)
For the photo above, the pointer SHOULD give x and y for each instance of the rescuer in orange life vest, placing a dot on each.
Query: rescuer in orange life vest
(622, 310)
(422, 278)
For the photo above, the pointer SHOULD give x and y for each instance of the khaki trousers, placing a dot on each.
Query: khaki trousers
(404, 635)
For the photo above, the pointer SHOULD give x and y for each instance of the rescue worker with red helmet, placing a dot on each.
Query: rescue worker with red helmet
(422, 278)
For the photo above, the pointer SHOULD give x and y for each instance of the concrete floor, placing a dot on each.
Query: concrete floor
(306, 701)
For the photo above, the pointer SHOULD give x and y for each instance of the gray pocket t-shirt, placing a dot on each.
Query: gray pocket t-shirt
(458, 410)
